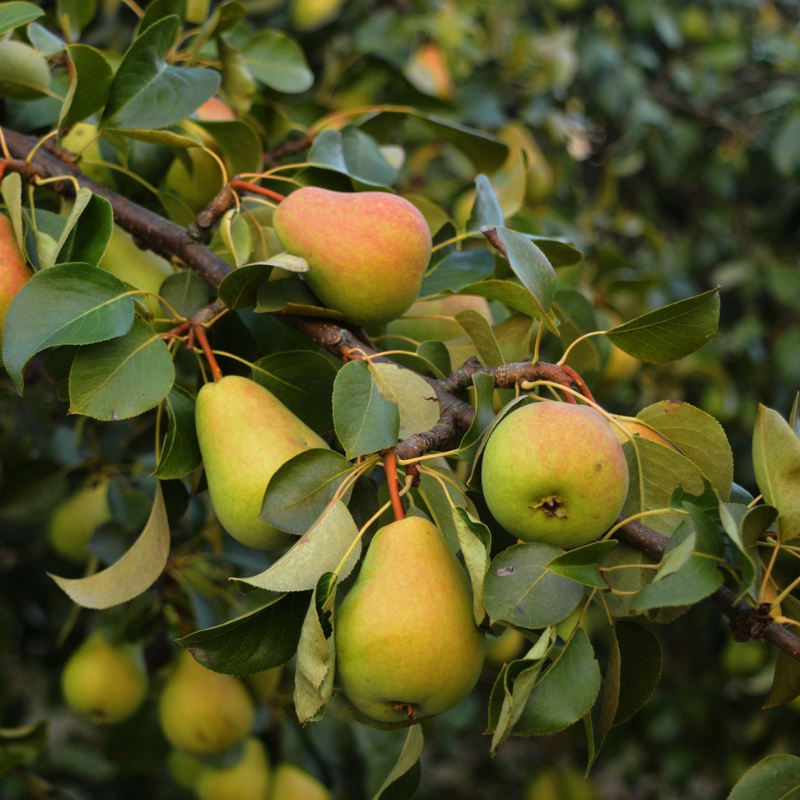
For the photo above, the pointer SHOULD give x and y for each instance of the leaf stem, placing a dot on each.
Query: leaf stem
(202, 337)
(390, 468)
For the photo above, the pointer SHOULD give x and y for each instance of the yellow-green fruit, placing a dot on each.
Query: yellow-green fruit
(744, 659)
(406, 641)
(245, 433)
(247, 779)
(308, 15)
(620, 366)
(367, 251)
(292, 783)
(638, 429)
(204, 712)
(184, 769)
(198, 186)
(696, 24)
(265, 684)
(83, 139)
(504, 648)
(568, 784)
(197, 10)
(103, 682)
(14, 271)
(436, 330)
(554, 473)
(75, 520)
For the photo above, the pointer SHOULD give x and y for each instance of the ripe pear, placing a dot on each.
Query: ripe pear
(308, 15)
(292, 783)
(245, 434)
(204, 712)
(435, 330)
(14, 271)
(554, 473)
(104, 682)
(75, 520)
(264, 685)
(247, 779)
(406, 641)
(367, 251)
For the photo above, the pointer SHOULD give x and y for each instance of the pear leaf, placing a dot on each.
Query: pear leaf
(185, 291)
(485, 208)
(180, 453)
(786, 680)
(484, 416)
(731, 518)
(11, 188)
(481, 335)
(91, 82)
(87, 231)
(516, 297)
(414, 396)
(16, 14)
(132, 574)
(774, 778)
(581, 564)
(402, 782)
(476, 543)
(456, 271)
(20, 747)
(277, 61)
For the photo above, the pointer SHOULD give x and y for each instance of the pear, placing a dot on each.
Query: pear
(367, 251)
(103, 682)
(292, 783)
(504, 648)
(196, 186)
(75, 520)
(264, 685)
(247, 779)
(406, 641)
(245, 434)
(14, 271)
(83, 140)
(204, 712)
(184, 769)
(554, 473)
(638, 429)
(308, 15)
(435, 330)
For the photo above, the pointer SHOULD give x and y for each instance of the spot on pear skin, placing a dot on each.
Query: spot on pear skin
(552, 506)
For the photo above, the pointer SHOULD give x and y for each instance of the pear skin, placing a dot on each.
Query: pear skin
(292, 783)
(435, 330)
(367, 251)
(309, 15)
(406, 641)
(142, 269)
(554, 473)
(103, 682)
(245, 434)
(247, 779)
(264, 685)
(184, 769)
(75, 520)
(14, 271)
(204, 712)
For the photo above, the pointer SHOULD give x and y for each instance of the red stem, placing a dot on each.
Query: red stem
(390, 468)
(202, 337)
(582, 387)
(244, 186)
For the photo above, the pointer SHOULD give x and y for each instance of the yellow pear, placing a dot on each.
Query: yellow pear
(245, 434)
(406, 641)
(104, 682)
(247, 779)
(265, 684)
(504, 648)
(204, 712)
(198, 186)
(14, 271)
(75, 520)
(292, 783)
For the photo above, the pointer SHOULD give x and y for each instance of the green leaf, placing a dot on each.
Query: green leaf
(485, 208)
(671, 332)
(87, 231)
(240, 288)
(260, 639)
(487, 152)
(484, 416)
(90, 85)
(414, 396)
(21, 747)
(511, 294)
(86, 304)
(75, 15)
(786, 680)
(457, 271)
(302, 488)
(559, 252)
(24, 74)
(303, 381)
(731, 517)
(238, 142)
(481, 335)
(776, 462)
(158, 9)
(364, 159)
(277, 61)
(180, 453)
(775, 778)
(329, 152)
(786, 146)
(135, 572)
(365, 421)
(149, 93)
(292, 296)
(123, 377)
(409, 756)
(46, 43)
(476, 543)
(520, 588)
(581, 564)
(627, 580)
(186, 292)
(15, 15)
(565, 692)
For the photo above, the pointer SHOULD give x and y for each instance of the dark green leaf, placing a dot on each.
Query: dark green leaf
(88, 90)
(186, 292)
(485, 208)
(79, 14)
(475, 540)
(775, 778)
(329, 152)
(409, 756)
(293, 296)
(180, 453)
(457, 271)
(786, 681)
(481, 335)
(158, 9)
(240, 288)
(87, 231)
(484, 415)
(20, 747)
(581, 564)
(640, 655)
(238, 143)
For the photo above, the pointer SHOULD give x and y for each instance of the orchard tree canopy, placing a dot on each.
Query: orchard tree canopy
(377, 375)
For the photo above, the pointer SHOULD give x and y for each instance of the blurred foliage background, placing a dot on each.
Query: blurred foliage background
(663, 139)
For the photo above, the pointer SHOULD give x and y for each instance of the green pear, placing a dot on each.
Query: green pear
(83, 140)
(406, 641)
(569, 784)
(103, 682)
(75, 520)
(504, 648)
(367, 251)
(554, 473)
(434, 330)
(198, 186)
(292, 783)
(245, 434)
(264, 685)
(184, 769)
(204, 712)
(14, 271)
(247, 779)
(308, 15)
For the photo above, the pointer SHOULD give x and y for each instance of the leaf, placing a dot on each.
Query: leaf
(123, 377)
(671, 332)
(329, 151)
(485, 208)
(414, 396)
(521, 590)
(24, 74)
(185, 291)
(87, 231)
(627, 580)
(786, 681)
(75, 15)
(90, 85)
(458, 270)
(566, 691)
(292, 296)
(16, 14)
(409, 757)
(786, 146)
(47, 44)
(365, 421)
(487, 152)
(180, 453)
(774, 778)
(513, 295)
(484, 416)
(476, 543)
(22, 746)
(530, 265)
(731, 517)
(260, 639)
(239, 289)
(158, 9)
(364, 159)
(135, 572)
(149, 93)
(303, 381)
(481, 335)
(582, 564)
(238, 142)
(315, 553)
(85, 305)
(776, 462)
(277, 61)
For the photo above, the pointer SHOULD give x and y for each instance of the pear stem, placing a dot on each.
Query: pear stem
(202, 338)
(390, 467)
(245, 186)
